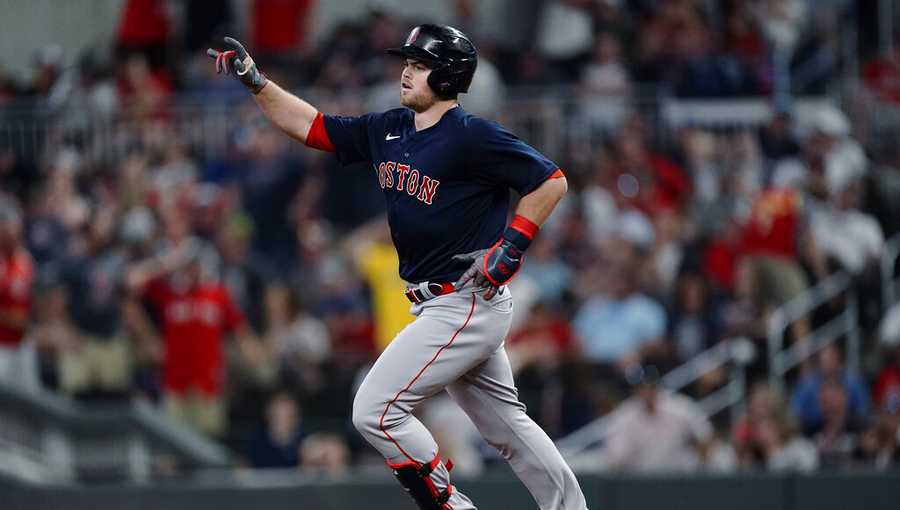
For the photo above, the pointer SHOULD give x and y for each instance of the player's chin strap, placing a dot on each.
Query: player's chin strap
(416, 479)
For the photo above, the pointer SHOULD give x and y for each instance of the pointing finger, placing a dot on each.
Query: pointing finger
(238, 47)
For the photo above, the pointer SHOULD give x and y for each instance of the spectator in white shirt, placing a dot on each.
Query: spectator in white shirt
(657, 430)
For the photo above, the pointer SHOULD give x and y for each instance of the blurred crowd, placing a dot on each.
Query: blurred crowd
(246, 291)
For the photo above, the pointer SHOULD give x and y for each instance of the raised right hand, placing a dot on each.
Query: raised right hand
(239, 60)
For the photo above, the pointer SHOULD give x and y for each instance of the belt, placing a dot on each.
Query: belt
(424, 291)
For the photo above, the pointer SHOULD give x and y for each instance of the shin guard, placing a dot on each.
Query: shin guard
(416, 479)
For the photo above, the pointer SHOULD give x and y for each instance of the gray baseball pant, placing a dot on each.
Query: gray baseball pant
(456, 343)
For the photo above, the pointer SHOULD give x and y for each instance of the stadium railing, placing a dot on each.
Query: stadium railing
(843, 325)
(733, 353)
(558, 121)
(47, 438)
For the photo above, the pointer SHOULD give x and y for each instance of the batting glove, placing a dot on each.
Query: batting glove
(497, 265)
(475, 273)
(239, 60)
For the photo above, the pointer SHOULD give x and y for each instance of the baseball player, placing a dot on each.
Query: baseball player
(446, 176)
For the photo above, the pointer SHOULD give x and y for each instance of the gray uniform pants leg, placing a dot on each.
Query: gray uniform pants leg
(456, 342)
(488, 395)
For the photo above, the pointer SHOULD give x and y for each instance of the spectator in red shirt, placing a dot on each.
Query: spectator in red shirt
(543, 340)
(196, 313)
(769, 273)
(18, 360)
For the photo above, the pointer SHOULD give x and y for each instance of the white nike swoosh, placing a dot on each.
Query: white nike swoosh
(389, 137)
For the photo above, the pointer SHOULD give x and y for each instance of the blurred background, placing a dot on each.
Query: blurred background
(189, 297)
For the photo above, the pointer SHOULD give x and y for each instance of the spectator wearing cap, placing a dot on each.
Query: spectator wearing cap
(18, 359)
(807, 399)
(196, 313)
(656, 430)
(831, 152)
(851, 238)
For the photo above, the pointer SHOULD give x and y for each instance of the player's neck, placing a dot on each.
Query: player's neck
(431, 116)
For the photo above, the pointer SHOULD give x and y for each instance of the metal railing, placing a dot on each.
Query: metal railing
(740, 352)
(550, 119)
(47, 438)
(736, 353)
(846, 323)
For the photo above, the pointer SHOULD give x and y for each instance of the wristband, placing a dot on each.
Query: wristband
(521, 232)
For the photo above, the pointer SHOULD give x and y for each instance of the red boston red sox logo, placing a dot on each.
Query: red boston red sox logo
(401, 177)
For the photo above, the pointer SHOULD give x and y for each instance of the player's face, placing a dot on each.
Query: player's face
(414, 90)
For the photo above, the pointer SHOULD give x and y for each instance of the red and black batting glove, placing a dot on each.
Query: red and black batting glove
(496, 266)
(239, 60)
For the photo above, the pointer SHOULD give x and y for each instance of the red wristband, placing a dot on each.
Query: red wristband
(524, 226)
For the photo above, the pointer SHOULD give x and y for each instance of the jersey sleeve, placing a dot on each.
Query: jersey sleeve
(350, 137)
(501, 157)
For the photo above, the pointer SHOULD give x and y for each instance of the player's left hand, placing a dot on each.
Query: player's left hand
(476, 273)
(495, 267)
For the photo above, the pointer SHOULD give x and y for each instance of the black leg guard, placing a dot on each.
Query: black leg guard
(416, 479)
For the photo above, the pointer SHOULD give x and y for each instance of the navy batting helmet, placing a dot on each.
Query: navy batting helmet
(449, 53)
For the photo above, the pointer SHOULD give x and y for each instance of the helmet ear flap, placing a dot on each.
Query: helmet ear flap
(440, 80)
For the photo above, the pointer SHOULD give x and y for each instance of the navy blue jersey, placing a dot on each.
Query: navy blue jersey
(446, 187)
